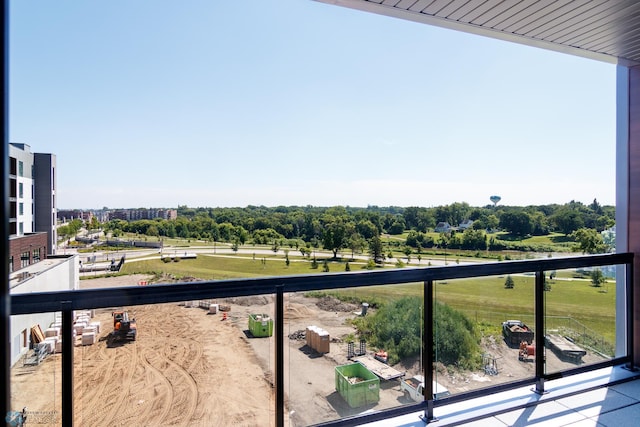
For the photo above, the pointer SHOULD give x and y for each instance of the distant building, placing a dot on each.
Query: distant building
(143, 213)
(68, 215)
(443, 227)
(32, 202)
(609, 238)
(467, 223)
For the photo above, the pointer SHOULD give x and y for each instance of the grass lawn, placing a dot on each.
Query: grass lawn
(486, 300)
(482, 299)
(220, 268)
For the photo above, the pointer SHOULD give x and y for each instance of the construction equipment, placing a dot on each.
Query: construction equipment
(490, 364)
(124, 327)
(526, 351)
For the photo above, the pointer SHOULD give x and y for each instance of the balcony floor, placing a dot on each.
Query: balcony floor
(583, 400)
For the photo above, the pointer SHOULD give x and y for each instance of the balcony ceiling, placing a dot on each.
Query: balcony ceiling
(606, 30)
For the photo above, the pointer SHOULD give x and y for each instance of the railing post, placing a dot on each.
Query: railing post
(539, 336)
(427, 352)
(629, 317)
(5, 331)
(279, 349)
(67, 364)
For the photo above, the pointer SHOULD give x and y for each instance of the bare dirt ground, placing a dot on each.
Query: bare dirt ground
(190, 368)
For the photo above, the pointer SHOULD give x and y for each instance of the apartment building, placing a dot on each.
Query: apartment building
(32, 206)
(33, 265)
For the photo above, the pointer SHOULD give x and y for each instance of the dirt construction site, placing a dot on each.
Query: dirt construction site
(189, 367)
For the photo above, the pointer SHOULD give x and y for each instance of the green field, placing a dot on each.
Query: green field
(228, 267)
(482, 299)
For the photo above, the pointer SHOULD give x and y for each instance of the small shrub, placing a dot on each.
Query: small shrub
(508, 283)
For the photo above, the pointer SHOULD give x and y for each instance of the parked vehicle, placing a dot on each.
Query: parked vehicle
(413, 388)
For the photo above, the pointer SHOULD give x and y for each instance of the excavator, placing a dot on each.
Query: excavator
(124, 327)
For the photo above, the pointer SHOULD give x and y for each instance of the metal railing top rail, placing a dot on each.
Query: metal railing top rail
(43, 302)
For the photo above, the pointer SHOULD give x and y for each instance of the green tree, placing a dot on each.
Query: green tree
(516, 222)
(367, 229)
(376, 250)
(589, 241)
(334, 235)
(94, 224)
(397, 226)
(474, 240)
(356, 243)
(597, 278)
(397, 327)
(508, 283)
(567, 220)
(153, 231)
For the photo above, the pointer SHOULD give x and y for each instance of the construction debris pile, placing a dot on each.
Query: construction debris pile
(355, 380)
(298, 335)
(50, 341)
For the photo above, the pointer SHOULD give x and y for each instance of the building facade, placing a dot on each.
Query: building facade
(32, 195)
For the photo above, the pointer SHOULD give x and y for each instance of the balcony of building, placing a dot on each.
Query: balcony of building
(595, 386)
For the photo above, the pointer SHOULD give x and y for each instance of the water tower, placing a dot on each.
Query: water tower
(495, 200)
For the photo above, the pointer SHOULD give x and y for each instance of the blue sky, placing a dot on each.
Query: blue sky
(155, 103)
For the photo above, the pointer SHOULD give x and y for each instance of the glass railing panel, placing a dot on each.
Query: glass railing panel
(186, 363)
(347, 351)
(479, 325)
(580, 317)
(36, 369)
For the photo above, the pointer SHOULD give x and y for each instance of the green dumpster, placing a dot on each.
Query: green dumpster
(357, 385)
(260, 325)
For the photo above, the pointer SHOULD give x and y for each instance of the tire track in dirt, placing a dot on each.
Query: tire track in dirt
(92, 385)
(180, 354)
(186, 368)
(118, 396)
(157, 408)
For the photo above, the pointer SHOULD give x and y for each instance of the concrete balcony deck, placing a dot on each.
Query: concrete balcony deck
(607, 397)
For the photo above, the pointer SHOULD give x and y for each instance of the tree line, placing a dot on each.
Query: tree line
(339, 228)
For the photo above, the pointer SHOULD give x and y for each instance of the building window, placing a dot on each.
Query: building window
(24, 259)
(20, 190)
(21, 228)
(36, 255)
(11, 264)
(21, 209)
(20, 168)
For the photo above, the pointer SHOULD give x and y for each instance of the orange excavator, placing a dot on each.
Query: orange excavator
(526, 351)
(124, 327)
